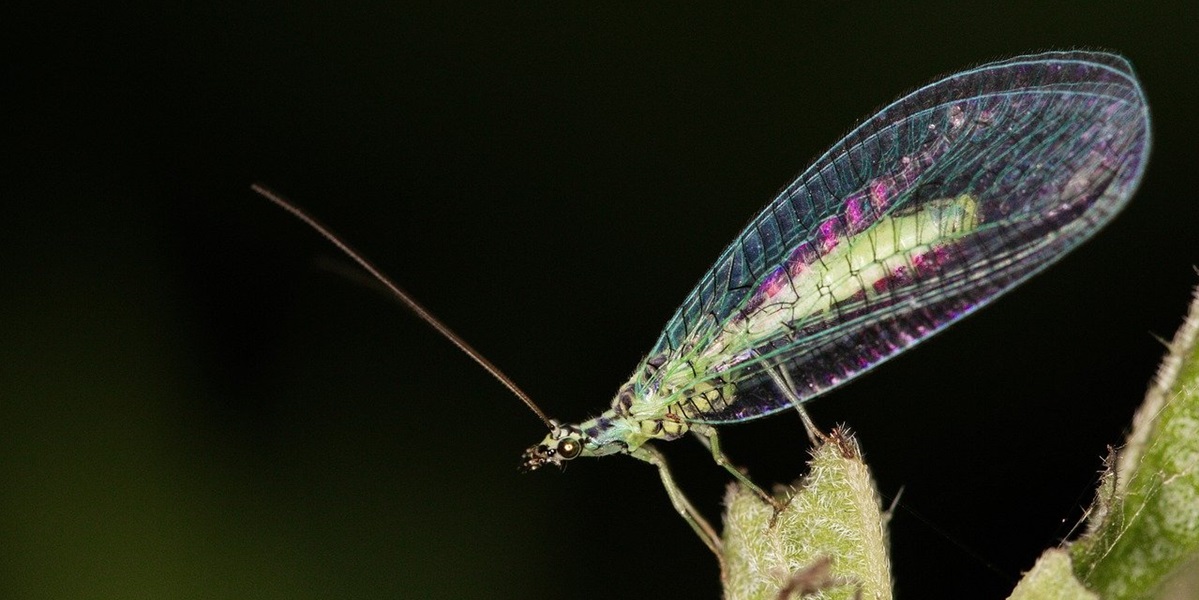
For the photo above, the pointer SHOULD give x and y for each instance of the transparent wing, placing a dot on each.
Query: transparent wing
(1013, 164)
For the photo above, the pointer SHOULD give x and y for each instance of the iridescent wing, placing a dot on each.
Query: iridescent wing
(925, 212)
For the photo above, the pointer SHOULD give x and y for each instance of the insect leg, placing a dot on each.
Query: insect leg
(707, 436)
(782, 379)
(697, 522)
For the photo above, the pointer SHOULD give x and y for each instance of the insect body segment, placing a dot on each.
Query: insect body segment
(624, 428)
(670, 393)
(896, 250)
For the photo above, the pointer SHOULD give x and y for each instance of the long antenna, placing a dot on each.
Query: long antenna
(403, 297)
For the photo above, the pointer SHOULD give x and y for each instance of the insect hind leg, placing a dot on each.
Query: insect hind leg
(782, 379)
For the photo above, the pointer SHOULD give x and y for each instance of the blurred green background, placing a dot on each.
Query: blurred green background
(192, 407)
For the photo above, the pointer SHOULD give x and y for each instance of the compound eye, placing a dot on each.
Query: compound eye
(569, 449)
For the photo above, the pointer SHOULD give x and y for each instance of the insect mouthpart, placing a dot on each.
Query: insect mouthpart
(562, 444)
(535, 457)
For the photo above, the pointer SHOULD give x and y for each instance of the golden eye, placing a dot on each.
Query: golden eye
(569, 449)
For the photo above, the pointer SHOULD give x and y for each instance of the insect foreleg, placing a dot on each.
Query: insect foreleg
(681, 504)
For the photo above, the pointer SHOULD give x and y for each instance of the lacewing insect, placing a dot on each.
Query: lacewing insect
(928, 210)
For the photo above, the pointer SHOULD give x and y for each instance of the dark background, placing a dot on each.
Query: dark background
(191, 406)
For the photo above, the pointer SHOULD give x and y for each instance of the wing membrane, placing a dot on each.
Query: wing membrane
(1014, 162)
